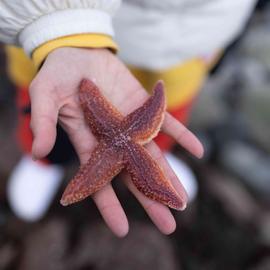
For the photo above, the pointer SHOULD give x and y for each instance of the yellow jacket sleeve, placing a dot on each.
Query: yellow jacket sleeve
(77, 41)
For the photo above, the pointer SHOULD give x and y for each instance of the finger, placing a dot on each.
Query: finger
(105, 199)
(158, 213)
(111, 210)
(44, 113)
(158, 156)
(182, 135)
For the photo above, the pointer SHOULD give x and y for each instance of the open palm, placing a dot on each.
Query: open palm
(54, 97)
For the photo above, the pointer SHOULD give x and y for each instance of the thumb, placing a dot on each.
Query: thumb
(44, 113)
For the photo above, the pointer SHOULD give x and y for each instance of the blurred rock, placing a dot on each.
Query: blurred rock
(256, 41)
(8, 253)
(143, 248)
(262, 265)
(208, 109)
(248, 163)
(45, 247)
(236, 200)
(52, 247)
(264, 229)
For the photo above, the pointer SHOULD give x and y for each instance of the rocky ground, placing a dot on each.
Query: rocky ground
(227, 227)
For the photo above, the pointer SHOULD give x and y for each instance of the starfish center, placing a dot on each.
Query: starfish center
(120, 140)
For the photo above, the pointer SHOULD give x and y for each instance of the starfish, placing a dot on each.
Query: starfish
(120, 145)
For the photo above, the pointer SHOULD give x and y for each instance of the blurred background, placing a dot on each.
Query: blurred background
(226, 227)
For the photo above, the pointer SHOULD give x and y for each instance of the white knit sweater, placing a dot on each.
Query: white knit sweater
(151, 34)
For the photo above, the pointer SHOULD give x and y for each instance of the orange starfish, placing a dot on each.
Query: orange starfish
(120, 146)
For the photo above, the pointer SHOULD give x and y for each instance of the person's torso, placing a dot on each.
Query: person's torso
(158, 34)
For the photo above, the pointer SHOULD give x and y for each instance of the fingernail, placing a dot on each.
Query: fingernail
(200, 156)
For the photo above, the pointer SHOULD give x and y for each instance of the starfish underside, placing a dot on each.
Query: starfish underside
(120, 146)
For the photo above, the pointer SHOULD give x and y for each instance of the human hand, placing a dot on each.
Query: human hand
(54, 97)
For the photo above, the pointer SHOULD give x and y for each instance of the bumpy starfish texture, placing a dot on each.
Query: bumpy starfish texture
(120, 146)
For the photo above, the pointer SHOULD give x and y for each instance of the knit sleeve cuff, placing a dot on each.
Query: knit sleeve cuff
(63, 23)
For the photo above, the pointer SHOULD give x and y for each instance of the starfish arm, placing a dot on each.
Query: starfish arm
(149, 178)
(144, 123)
(100, 114)
(105, 162)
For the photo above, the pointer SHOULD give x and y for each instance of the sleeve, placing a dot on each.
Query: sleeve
(32, 23)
